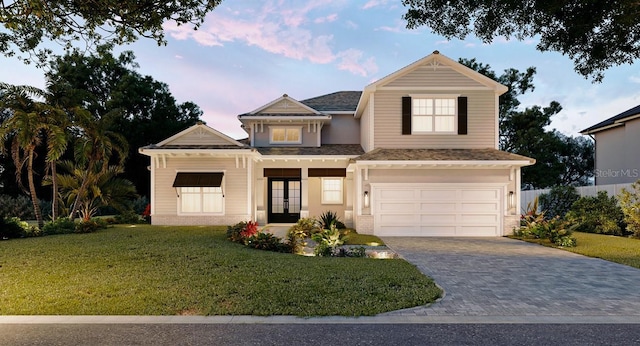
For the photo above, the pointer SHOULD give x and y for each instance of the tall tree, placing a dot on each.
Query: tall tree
(143, 110)
(28, 23)
(594, 34)
(95, 148)
(560, 159)
(31, 124)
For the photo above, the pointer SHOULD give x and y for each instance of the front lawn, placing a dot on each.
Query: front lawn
(152, 270)
(621, 250)
(608, 247)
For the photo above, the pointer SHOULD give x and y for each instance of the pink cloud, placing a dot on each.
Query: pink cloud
(374, 3)
(328, 19)
(350, 60)
(276, 31)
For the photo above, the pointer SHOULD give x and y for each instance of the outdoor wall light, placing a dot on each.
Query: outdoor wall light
(511, 201)
(366, 199)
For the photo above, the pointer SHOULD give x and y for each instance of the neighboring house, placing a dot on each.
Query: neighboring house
(413, 154)
(617, 141)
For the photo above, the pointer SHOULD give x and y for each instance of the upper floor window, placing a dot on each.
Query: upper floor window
(285, 135)
(433, 115)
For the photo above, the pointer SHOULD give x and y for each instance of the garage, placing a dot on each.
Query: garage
(424, 210)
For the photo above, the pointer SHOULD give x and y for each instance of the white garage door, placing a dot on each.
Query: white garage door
(437, 210)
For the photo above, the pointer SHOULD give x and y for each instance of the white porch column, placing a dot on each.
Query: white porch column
(304, 191)
(261, 213)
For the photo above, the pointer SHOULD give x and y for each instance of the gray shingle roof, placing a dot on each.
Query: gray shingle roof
(345, 101)
(440, 155)
(196, 146)
(633, 111)
(328, 149)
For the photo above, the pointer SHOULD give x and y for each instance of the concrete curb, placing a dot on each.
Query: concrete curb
(616, 319)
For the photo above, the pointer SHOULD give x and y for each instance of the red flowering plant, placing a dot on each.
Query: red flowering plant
(146, 214)
(249, 230)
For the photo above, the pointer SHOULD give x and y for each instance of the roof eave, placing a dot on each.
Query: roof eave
(159, 151)
(447, 163)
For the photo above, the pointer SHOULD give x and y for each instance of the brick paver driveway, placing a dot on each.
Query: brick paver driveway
(506, 277)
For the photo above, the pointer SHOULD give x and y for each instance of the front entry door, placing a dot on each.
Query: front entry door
(284, 200)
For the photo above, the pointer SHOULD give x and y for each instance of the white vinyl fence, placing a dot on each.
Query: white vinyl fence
(527, 196)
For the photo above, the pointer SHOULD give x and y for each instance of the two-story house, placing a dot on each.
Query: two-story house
(413, 154)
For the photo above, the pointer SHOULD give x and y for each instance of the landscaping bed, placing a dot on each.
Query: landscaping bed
(154, 270)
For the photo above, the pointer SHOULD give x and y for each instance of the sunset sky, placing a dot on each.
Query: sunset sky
(249, 53)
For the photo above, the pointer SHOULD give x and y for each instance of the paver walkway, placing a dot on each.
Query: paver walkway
(506, 277)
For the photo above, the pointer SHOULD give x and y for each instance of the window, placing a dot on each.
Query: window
(331, 190)
(204, 200)
(433, 115)
(286, 135)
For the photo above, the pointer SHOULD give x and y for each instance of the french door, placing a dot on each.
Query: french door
(284, 200)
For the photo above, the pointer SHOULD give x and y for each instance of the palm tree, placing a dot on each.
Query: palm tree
(95, 148)
(106, 188)
(30, 124)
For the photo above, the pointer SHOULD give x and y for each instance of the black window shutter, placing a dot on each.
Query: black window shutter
(406, 115)
(462, 115)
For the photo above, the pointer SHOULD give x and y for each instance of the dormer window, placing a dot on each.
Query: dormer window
(285, 135)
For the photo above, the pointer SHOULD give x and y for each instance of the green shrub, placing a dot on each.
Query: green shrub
(90, 226)
(129, 217)
(140, 204)
(61, 225)
(359, 251)
(12, 227)
(19, 207)
(268, 242)
(302, 230)
(329, 218)
(599, 214)
(327, 241)
(533, 225)
(233, 232)
(558, 201)
(630, 205)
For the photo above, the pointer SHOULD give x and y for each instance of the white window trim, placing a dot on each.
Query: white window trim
(323, 201)
(186, 213)
(435, 96)
(271, 128)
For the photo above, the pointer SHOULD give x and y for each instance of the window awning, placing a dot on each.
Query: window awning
(327, 172)
(185, 179)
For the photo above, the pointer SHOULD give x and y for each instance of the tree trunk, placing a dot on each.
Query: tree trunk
(32, 191)
(81, 190)
(54, 197)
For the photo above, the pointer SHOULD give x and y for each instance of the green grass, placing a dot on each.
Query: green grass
(610, 248)
(152, 270)
(362, 239)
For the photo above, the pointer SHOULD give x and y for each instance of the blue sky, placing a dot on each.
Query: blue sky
(248, 53)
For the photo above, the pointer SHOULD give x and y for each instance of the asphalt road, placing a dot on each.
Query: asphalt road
(320, 334)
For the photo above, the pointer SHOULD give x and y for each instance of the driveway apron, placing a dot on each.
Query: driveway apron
(506, 277)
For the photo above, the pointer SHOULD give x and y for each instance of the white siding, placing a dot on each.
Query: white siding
(199, 138)
(365, 123)
(234, 184)
(428, 76)
(481, 123)
(285, 107)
